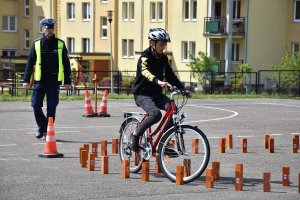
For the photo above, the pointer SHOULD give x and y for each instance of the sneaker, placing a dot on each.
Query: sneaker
(134, 142)
(171, 152)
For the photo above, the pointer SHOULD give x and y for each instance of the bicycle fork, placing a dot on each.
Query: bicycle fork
(179, 135)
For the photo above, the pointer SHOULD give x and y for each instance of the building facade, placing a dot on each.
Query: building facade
(233, 31)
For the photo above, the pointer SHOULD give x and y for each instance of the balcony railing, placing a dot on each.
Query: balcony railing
(220, 66)
(217, 26)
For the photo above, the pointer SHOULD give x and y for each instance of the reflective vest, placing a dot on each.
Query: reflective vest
(38, 68)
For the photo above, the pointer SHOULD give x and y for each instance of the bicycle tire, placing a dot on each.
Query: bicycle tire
(128, 126)
(168, 162)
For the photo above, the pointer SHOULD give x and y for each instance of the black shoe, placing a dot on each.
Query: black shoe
(171, 152)
(39, 135)
(134, 142)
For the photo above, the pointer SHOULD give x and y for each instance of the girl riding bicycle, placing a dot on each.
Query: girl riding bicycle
(153, 74)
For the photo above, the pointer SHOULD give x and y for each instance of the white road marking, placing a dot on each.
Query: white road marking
(215, 119)
(7, 145)
(276, 134)
(245, 136)
(32, 133)
(70, 127)
(295, 133)
(213, 137)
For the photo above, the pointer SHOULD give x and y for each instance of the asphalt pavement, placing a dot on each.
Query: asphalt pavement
(24, 175)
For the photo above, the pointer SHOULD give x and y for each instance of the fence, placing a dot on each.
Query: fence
(270, 81)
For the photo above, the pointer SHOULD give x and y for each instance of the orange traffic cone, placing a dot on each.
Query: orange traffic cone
(88, 105)
(103, 105)
(50, 147)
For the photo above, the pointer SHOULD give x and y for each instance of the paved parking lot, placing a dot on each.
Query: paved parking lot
(24, 175)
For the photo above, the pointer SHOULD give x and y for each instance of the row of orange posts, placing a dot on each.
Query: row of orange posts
(269, 143)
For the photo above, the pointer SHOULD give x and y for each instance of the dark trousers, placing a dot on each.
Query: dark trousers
(152, 105)
(38, 95)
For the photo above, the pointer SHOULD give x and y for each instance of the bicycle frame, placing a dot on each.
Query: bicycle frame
(162, 126)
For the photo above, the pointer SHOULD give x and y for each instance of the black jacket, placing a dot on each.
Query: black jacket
(49, 62)
(150, 69)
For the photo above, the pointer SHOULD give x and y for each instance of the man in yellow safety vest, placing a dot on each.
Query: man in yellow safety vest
(49, 61)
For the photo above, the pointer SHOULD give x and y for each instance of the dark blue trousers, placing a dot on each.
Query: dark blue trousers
(51, 91)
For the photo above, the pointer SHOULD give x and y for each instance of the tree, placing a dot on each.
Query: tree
(289, 77)
(201, 64)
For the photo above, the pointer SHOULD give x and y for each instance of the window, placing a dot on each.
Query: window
(125, 11)
(9, 23)
(131, 48)
(297, 10)
(39, 25)
(184, 49)
(295, 49)
(236, 9)
(26, 39)
(186, 14)
(131, 11)
(104, 1)
(235, 51)
(85, 45)
(160, 11)
(103, 27)
(71, 44)
(86, 11)
(71, 11)
(188, 48)
(192, 48)
(124, 48)
(152, 11)
(26, 8)
(9, 52)
(194, 9)
(189, 10)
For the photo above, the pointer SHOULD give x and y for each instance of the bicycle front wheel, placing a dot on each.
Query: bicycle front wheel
(190, 150)
(135, 158)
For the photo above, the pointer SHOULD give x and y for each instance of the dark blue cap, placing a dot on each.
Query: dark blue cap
(47, 23)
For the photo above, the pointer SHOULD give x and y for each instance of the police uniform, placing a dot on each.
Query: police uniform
(50, 65)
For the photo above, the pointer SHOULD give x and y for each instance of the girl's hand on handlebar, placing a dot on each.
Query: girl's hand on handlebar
(187, 93)
(164, 85)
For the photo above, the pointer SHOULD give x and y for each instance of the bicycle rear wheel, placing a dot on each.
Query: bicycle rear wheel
(135, 158)
(194, 158)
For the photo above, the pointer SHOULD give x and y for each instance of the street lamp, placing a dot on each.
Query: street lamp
(109, 18)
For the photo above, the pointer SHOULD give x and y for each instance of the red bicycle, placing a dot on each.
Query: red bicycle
(182, 144)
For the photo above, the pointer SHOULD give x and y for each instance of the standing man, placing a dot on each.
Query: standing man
(50, 64)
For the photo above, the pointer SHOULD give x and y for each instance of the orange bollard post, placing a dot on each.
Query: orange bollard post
(244, 145)
(209, 178)
(299, 183)
(104, 164)
(125, 169)
(229, 144)
(295, 145)
(145, 171)
(80, 154)
(157, 168)
(266, 141)
(267, 182)
(91, 162)
(187, 167)
(195, 146)
(285, 176)
(114, 146)
(222, 145)
(216, 168)
(95, 148)
(297, 140)
(179, 175)
(271, 145)
(238, 177)
(87, 147)
(84, 158)
(104, 148)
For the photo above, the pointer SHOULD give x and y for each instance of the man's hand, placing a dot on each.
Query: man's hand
(26, 86)
(67, 86)
(164, 85)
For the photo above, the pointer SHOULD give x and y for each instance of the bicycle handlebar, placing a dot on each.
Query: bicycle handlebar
(185, 93)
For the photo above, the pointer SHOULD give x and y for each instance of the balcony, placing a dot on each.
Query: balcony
(216, 26)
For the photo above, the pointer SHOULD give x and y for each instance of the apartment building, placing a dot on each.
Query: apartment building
(233, 31)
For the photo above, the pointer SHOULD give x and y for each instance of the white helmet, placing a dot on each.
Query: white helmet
(159, 34)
